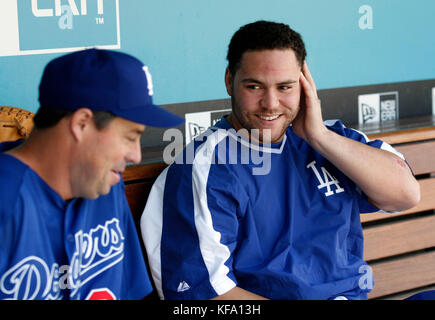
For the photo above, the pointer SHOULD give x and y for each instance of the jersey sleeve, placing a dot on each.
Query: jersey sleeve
(189, 227)
(338, 127)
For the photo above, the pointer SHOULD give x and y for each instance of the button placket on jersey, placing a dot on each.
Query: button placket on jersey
(73, 248)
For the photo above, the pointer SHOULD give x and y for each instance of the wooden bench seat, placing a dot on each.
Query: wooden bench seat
(399, 247)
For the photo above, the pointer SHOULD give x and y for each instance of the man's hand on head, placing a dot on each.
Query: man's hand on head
(308, 124)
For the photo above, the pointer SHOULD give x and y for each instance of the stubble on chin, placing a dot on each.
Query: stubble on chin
(262, 135)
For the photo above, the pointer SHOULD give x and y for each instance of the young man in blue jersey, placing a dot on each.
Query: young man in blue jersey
(213, 228)
(66, 228)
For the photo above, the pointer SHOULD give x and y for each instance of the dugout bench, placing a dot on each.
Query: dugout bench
(400, 247)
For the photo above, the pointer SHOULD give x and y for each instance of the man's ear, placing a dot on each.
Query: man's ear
(81, 121)
(229, 82)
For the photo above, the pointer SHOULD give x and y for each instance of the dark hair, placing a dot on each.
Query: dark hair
(47, 117)
(263, 35)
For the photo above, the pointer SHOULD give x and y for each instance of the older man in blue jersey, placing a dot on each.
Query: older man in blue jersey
(214, 229)
(66, 228)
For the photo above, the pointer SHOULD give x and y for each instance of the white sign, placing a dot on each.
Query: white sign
(378, 107)
(198, 122)
(52, 26)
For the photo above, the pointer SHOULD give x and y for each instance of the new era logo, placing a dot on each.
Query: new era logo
(378, 107)
(183, 286)
(368, 113)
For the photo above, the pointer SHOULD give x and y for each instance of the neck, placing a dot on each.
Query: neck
(48, 156)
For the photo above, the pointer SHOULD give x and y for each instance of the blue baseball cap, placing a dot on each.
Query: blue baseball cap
(103, 80)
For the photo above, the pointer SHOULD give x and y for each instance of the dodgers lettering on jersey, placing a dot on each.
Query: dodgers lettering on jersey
(95, 252)
(29, 278)
(293, 233)
(53, 249)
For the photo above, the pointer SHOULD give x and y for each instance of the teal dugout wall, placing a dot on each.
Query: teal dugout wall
(349, 42)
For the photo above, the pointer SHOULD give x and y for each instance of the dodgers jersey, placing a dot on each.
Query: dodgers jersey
(292, 232)
(56, 249)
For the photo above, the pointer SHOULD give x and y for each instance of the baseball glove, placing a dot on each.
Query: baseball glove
(15, 123)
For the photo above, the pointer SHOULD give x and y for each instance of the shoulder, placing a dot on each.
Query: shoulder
(12, 176)
(205, 159)
(202, 151)
(354, 134)
(338, 127)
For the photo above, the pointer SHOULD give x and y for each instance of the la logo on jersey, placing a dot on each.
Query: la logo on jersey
(327, 181)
